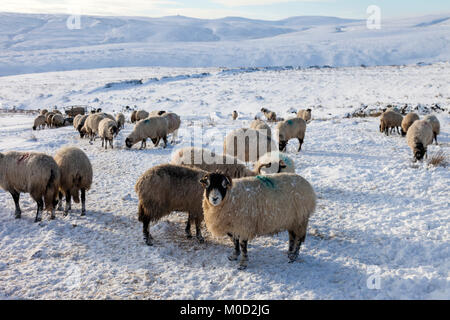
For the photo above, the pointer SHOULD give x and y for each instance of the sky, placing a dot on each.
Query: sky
(256, 9)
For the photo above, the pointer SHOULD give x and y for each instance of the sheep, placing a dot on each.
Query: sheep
(247, 144)
(91, 125)
(291, 129)
(390, 120)
(234, 115)
(76, 177)
(154, 128)
(255, 206)
(78, 123)
(107, 129)
(57, 120)
(75, 120)
(156, 113)
(133, 116)
(56, 111)
(435, 125)
(274, 162)
(407, 121)
(258, 124)
(120, 119)
(48, 118)
(141, 114)
(166, 188)
(43, 112)
(207, 160)
(304, 114)
(39, 122)
(419, 136)
(270, 115)
(173, 121)
(33, 173)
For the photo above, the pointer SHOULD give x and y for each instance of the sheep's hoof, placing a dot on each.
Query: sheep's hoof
(83, 213)
(148, 241)
(200, 239)
(292, 257)
(18, 215)
(242, 266)
(37, 219)
(189, 236)
(233, 257)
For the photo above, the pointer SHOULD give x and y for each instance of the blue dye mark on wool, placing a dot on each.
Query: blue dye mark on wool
(286, 160)
(146, 121)
(266, 181)
(290, 122)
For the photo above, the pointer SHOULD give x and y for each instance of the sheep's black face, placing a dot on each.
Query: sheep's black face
(216, 187)
(419, 152)
(128, 143)
(282, 145)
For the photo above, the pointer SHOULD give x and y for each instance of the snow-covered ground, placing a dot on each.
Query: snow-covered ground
(379, 217)
(40, 43)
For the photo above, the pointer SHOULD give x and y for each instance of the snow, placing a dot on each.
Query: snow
(379, 217)
(40, 43)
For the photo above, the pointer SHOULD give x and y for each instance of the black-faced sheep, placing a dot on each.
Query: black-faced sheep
(76, 176)
(167, 188)
(78, 123)
(234, 115)
(435, 125)
(270, 115)
(419, 136)
(247, 144)
(390, 120)
(304, 114)
(274, 162)
(154, 128)
(255, 206)
(133, 116)
(407, 121)
(107, 130)
(33, 173)
(39, 122)
(291, 129)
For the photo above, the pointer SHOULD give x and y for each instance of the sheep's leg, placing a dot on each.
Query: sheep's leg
(188, 228)
(398, 130)
(244, 258)
(174, 137)
(16, 197)
(237, 249)
(103, 142)
(198, 230)
(68, 203)
(291, 242)
(435, 138)
(111, 144)
(165, 141)
(298, 242)
(300, 141)
(147, 236)
(83, 202)
(60, 196)
(144, 144)
(40, 208)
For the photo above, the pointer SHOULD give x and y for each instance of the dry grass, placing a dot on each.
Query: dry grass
(439, 159)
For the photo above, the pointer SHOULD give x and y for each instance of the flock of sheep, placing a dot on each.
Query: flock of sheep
(218, 189)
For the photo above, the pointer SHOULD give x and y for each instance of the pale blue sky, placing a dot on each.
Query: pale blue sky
(258, 9)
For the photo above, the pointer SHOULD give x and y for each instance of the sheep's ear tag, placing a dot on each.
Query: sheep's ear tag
(282, 164)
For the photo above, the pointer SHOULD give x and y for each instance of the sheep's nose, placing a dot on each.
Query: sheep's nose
(215, 199)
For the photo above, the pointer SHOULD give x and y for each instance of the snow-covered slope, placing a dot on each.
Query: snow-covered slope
(38, 43)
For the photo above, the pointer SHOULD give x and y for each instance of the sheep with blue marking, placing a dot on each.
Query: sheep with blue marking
(274, 162)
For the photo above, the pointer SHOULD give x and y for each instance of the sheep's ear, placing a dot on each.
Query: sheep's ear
(205, 181)
(226, 182)
(282, 164)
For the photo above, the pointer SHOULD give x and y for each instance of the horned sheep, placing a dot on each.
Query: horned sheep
(33, 173)
(154, 128)
(435, 125)
(407, 121)
(255, 206)
(291, 129)
(419, 136)
(76, 177)
(167, 188)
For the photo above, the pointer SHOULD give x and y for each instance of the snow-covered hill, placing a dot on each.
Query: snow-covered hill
(39, 43)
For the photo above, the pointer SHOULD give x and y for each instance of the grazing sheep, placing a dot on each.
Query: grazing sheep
(304, 114)
(58, 120)
(407, 121)
(78, 123)
(270, 115)
(48, 118)
(167, 188)
(33, 173)
(120, 119)
(274, 162)
(141, 114)
(291, 129)
(39, 122)
(91, 125)
(419, 136)
(258, 124)
(390, 120)
(76, 176)
(255, 206)
(435, 125)
(107, 129)
(174, 122)
(154, 128)
(207, 160)
(75, 120)
(43, 112)
(133, 116)
(247, 144)
(234, 115)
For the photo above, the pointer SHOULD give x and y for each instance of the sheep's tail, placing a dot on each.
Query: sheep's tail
(51, 190)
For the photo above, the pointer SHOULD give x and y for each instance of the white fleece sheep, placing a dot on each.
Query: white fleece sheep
(419, 136)
(407, 121)
(91, 124)
(435, 125)
(58, 120)
(76, 176)
(120, 119)
(154, 128)
(304, 114)
(33, 173)
(291, 129)
(174, 122)
(39, 122)
(107, 129)
(390, 120)
(258, 124)
(141, 114)
(78, 123)
(207, 160)
(255, 206)
(274, 162)
(270, 115)
(247, 144)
